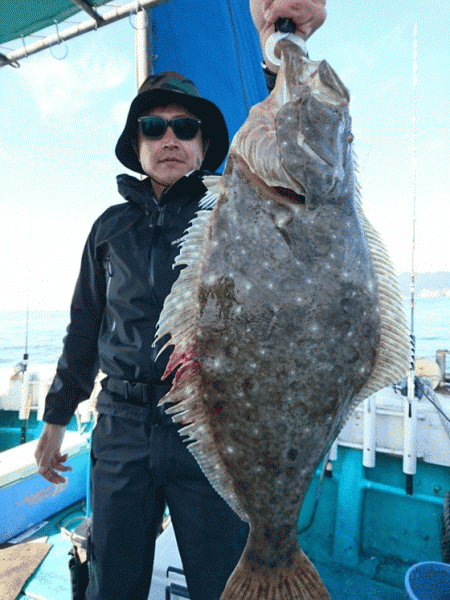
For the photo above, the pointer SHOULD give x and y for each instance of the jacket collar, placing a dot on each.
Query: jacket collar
(140, 193)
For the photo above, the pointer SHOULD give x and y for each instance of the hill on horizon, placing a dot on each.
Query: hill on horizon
(424, 281)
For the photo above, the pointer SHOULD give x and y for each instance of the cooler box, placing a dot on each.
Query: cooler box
(26, 498)
(168, 581)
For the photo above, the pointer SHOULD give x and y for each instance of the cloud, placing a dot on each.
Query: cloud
(62, 86)
(119, 112)
(356, 55)
(391, 88)
(436, 144)
(14, 157)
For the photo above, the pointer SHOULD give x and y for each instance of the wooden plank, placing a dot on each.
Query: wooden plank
(17, 564)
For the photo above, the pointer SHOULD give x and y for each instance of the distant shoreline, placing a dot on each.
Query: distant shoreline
(427, 285)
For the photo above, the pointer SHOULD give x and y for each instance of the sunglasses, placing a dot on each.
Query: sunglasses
(185, 128)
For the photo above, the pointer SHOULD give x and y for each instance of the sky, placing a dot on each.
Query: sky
(60, 121)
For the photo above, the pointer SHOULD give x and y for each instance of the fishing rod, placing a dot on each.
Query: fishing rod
(410, 414)
(25, 405)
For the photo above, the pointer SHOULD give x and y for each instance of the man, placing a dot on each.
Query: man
(139, 461)
(306, 15)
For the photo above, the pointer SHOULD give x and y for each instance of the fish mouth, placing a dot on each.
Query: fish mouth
(280, 194)
(288, 194)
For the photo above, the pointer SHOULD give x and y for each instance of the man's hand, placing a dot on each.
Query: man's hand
(308, 15)
(47, 455)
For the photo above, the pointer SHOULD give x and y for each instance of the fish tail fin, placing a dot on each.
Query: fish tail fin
(296, 580)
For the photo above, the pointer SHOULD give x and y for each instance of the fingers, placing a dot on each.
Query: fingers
(48, 456)
(51, 475)
(59, 460)
(48, 468)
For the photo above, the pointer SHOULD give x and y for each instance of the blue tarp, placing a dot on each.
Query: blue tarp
(214, 43)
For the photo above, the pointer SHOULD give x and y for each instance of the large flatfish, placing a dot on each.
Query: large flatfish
(286, 316)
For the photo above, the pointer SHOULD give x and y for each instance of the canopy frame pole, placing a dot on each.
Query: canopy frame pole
(110, 17)
(89, 10)
(143, 49)
(143, 46)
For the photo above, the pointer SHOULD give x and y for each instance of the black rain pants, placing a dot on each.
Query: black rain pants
(136, 469)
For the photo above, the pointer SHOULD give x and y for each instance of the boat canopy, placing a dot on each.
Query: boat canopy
(212, 42)
(20, 19)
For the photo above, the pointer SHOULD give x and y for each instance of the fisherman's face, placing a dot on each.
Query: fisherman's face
(168, 158)
(308, 15)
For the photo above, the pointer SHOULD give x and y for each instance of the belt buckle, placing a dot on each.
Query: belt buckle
(137, 390)
(130, 389)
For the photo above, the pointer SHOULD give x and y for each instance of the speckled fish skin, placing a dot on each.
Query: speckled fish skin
(285, 324)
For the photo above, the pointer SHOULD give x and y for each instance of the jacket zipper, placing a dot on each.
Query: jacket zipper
(155, 229)
(109, 274)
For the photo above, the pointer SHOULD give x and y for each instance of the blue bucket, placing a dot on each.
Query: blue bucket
(428, 581)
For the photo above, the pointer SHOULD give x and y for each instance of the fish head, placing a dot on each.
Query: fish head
(313, 128)
(297, 143)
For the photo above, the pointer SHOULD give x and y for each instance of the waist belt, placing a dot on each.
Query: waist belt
(136, 392)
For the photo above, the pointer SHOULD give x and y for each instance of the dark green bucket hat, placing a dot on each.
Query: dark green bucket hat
(167, 88)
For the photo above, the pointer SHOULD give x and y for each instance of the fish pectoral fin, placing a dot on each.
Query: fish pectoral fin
(329, 77)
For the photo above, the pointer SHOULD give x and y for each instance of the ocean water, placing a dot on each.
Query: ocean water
(46, 330)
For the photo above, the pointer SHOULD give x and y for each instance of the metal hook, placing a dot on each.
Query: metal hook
(273, 41)
(24, 46)
(59, 43)
(135, 11)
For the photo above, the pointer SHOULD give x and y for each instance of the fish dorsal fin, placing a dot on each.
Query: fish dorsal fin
(178, 319)
(393, 353)
(213, 183)
(214, 188)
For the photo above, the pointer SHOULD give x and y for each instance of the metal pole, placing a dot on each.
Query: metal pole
(143, 49)
(141, 46)
(370, 431)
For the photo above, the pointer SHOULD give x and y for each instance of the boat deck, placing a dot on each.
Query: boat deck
(51, 580)
(345, 584)
(362, 525)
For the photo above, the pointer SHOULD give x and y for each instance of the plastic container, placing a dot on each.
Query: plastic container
(428, 581)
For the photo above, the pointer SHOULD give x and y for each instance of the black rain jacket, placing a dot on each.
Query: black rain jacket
(126, 273)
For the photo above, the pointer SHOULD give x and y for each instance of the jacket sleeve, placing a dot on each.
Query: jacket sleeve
(79, 362)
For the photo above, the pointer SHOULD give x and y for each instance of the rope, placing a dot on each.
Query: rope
(316, 501)
(445, 419)
(423, 388)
